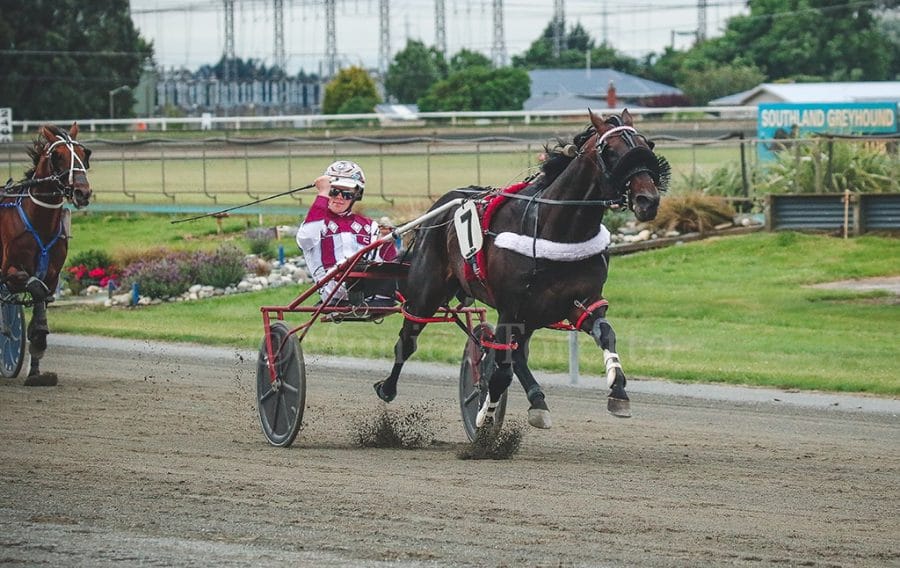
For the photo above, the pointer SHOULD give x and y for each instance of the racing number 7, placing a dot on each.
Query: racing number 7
(468, 229)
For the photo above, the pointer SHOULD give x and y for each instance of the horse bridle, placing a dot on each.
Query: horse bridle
(65, 188)
(636, 160)
(68, 187)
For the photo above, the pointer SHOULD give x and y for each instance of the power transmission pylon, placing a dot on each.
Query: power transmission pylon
(384, 46)
(701, 20)
(440, 27)
(280, 58)
(498, 49)
(559, 31)
(229, 41)
(330, 39)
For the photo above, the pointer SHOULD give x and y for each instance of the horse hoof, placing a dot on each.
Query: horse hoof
(42, 380)
(618, 407)
(379, 390)
(539, 418)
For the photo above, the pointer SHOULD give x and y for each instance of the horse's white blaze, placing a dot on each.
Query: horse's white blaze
(612, 363)
(486, 411)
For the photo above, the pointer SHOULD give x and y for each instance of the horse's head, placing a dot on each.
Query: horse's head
(60, 158)
(630, 169)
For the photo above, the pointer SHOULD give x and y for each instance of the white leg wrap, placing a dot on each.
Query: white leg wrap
(611, 360)
(486, 411)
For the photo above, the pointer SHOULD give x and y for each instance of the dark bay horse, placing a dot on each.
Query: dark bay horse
(544, 260)
(34, 230)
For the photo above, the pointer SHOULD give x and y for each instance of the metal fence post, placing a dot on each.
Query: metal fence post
(205, 185)
(744, 181)
(381, 172)
(133, 196)
(428, 169)
(478, 162)
(162, 165)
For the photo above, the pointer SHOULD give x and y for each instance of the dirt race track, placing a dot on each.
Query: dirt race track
(150, 454)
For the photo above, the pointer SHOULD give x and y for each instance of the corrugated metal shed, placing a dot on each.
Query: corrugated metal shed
(807, 212)
(829, 212)
(879, 212)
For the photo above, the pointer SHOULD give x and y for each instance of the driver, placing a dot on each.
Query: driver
(332, 233)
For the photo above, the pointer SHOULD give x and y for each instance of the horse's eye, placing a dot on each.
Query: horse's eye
(610, 151)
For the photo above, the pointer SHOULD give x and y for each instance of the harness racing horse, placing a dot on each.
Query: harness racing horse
(544, 258)
(34, 231)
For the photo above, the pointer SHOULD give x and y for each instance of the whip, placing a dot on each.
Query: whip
(214, 213)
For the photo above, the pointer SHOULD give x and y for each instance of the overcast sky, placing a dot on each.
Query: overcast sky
(190, 33)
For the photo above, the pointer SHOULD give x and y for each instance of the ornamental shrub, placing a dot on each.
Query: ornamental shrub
(823, 166)
(173, 274)
(219, 269)
(160, 278)
(260, 241)
(92, 258)
(90, 268)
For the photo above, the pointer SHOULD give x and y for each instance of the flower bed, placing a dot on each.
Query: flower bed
(176, 276)
(292, 272)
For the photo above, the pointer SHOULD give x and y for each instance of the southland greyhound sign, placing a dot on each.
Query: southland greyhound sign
(779, 122)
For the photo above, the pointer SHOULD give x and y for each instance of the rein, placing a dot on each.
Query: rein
(545, 201)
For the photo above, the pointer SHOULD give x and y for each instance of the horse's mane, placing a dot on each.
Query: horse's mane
(559, 155)
(37, 147)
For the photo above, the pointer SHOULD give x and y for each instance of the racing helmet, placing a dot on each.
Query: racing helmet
(347, 175)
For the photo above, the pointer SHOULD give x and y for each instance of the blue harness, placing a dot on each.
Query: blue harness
(43, 257)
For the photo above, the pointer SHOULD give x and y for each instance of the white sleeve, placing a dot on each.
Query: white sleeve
(309, 239)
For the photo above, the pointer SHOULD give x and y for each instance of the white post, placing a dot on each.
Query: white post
(573, 357)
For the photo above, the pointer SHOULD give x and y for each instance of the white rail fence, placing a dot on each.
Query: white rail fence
(527, 117)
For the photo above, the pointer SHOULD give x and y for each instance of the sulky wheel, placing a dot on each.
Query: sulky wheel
(12, 339)
(281, 403)
(477, 366)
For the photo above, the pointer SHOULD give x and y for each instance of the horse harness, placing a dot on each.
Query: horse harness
(24, 189)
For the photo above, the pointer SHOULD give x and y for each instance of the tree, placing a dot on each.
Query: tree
(413, 71)
(479, 88)
(465, 58)
(352, 88)
(812, 39)
(664, 68)
(63, 58)
(702, 86)
(579, 50)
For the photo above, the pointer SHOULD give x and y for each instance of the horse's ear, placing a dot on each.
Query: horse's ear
(598, 122)
(46, 133)
(626, 118)
(73, 132)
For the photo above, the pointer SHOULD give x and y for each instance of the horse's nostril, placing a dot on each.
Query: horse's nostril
(644, 201)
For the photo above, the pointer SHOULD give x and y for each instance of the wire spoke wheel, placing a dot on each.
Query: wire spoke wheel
(281, 402)
(474, 373)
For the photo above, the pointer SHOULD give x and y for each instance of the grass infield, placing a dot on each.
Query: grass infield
(736, 310)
